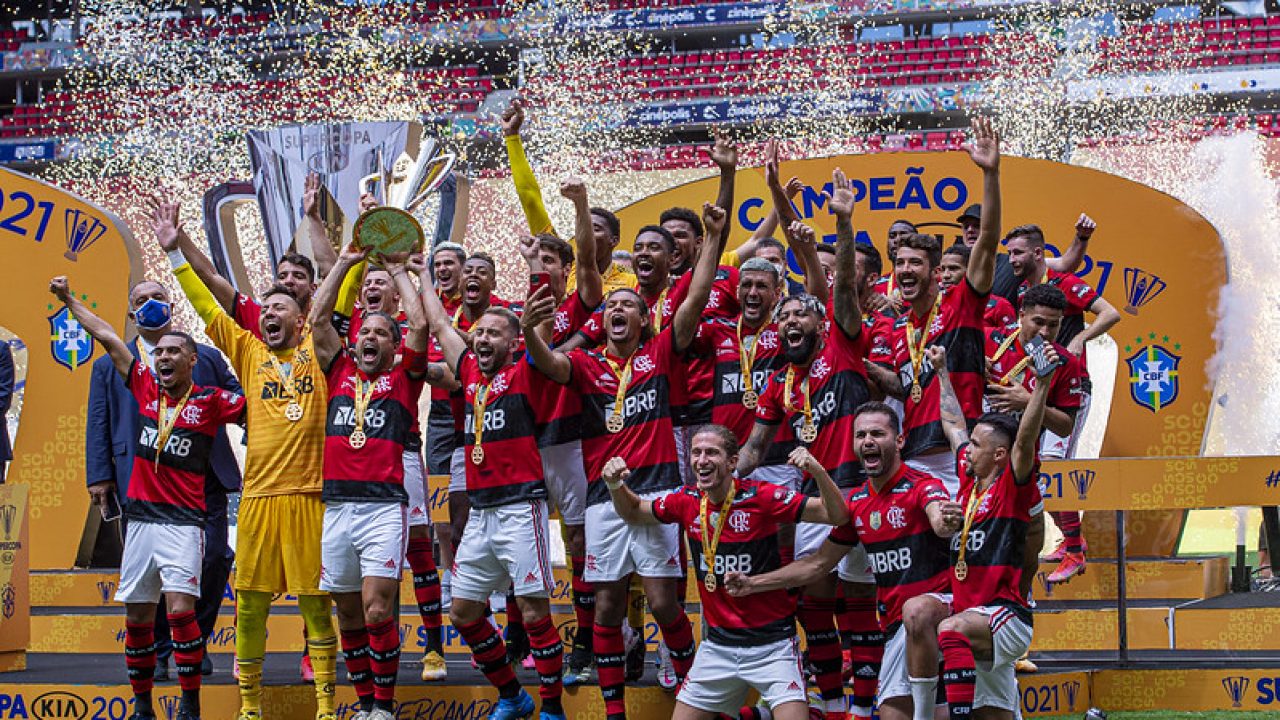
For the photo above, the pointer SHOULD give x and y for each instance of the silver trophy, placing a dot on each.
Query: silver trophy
(392, 160)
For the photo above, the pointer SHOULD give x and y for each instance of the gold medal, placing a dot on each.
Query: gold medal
(709, 581)
(750, 399)
(747, 359)
(357, 439)
(962, 570)
(915, 347)
(166, 421)
(363, 392)
(477, 455)
(916, 392)
(711, 539)
(293, 411)
(970, 513)
(478, 405)
(615, 423)
(808, 432)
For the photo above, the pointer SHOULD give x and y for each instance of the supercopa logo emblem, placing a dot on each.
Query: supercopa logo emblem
(1140, 288)
(1236, 686)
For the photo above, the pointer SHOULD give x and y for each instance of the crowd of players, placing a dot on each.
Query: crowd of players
(856, 452)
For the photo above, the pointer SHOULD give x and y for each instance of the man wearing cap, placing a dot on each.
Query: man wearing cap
(1006, 281)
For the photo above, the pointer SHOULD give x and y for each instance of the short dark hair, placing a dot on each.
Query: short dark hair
(908, 223)
(1045, 296)
(458, 251)
(808, 302)
(874, 407)
(959, 249)
(391, 321)
(611, 220)
(831, 249)
(875, 265)
(301, 261)
(562, 249)
(684, 215)
(278, 289)
(728, 441)
(506, 314)
(1002, 425)
(928, 243)
(1032, 233)
(770, 242)
(667, 237)
(485, 258)
(188, 342)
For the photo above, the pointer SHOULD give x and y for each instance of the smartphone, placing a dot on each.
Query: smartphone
(1036, 351)
(537, 280)
(111, 508)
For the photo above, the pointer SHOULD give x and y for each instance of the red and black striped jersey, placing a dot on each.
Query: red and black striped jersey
(518, 397)
(748, 544)
(716, 378)
(957, 326)
(171, 492)
(647, 439)
(1065, 392)
(880, 342)
(722, 302)
(352, 324)
(837, 384)
(905, 554)
(565, 421)
(997, 539)
(247, 313)
(464, 323)
(999, 314)
(1080, 297)
(374, 472)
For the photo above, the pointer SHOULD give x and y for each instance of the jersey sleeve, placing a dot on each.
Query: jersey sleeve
(231, 339)
(141, 383)
(845, 534)
(675, 508)
(772, 405)
(1066, 390)
(582, 370)
(592, 331)
(785, 505)
(1080, 296)
(247, 312)
(570, 317)
(932, 490)
(999, 313)
(535, 212)
(229, 406)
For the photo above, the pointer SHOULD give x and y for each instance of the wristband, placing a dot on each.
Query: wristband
(176, 259)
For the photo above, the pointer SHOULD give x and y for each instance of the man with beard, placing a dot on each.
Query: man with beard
(813, 398)
(447, 260)
(1005, 282)
(1026, 257)
(372, 420)
(560, 438)
(507, 544)
(998, 314)
(623, 392)
(163, 551)
(901, 518)
(990, 620)
(281, 513)
(733, 527)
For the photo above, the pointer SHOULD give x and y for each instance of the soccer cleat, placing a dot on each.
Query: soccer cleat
(577, 667)
(1060, 552)
(635, 654)
(544, 715)
(433, 667)
(527, 662)
(379, 714)
(142, 716)
(667, 679)
(308, 674)
(1024, 665)
(513, 708)
(360, 715)
(1072, 564)
(185, 714)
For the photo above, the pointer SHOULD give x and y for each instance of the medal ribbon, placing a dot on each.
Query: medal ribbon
(478, 405)
(804, 390)
(655, 315)
(916, 345)
(747, 358)
(362, 395)
(623, 372)
(286, 377)
(1000, 351)
(166, 420)
(712, 541)
(457, 318)
(970, 513)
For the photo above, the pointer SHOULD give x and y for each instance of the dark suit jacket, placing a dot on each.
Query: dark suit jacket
(6, 398)
(111, 430)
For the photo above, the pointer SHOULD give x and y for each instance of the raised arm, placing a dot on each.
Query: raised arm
(725, 155)
(951, 414)
(538, 309)
(172, 237)
(847, 313)
(629, 506)
(830, 509)
(452, 344)
(535, 212)
(685, 322)
(419, 333)
(321, 249)
(889, 382)
(762, 433)
(327, 340)
(1071, 258)
(766, 228)
(1023, 455)
(586, 270)
(985, 152)
(100, 329)
(804, 243)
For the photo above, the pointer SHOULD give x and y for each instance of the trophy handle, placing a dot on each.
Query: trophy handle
(219, 205)
(434, 178)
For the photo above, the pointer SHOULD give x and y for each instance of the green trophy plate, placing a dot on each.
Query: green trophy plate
(388, 231)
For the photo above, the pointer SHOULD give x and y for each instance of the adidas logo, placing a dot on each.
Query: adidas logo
(793, 686)
(530, 578)
(390, 564)
(672, 561)
(193, 581)
(417, 512)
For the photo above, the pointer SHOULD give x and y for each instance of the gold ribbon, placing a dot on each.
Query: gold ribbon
(711, 541)
(808, 406)
(478, 405)
(655, 315)
(748, 362)
(1000, 351)
(166, 421)
(623, 373)
(362, 395)
(970, 512)
(916, 347)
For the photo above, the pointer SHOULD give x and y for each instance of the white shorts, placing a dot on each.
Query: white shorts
(616, 549)
(788, 476)
(997, 683)
(1056, 447)
(855, 568)
(415, 483)
(159, 559)
(504, 547)
(941, 465)
(722, 675)
(458, 471)
(566, 481)
(360, 540)
(894, 678)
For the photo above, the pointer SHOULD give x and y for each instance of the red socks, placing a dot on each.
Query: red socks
(548, 659)
(490, 654)
(817, 617)
(140, 658)
(866, 644)
(958, 673)
(611, 657)
(584, 606)
(426, 589)
(355, 654)
(188, 649)
(679, 638)
(384, 661)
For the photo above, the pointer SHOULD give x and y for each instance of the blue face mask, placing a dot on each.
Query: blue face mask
(152, 314)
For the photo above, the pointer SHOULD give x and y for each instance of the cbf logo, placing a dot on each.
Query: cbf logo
(1153, 374)
(81, 230)
(1140, 288)
(1082, 480)
(69, 343)
(1236, 686)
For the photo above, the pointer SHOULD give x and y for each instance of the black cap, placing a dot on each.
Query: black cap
(973, 211)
